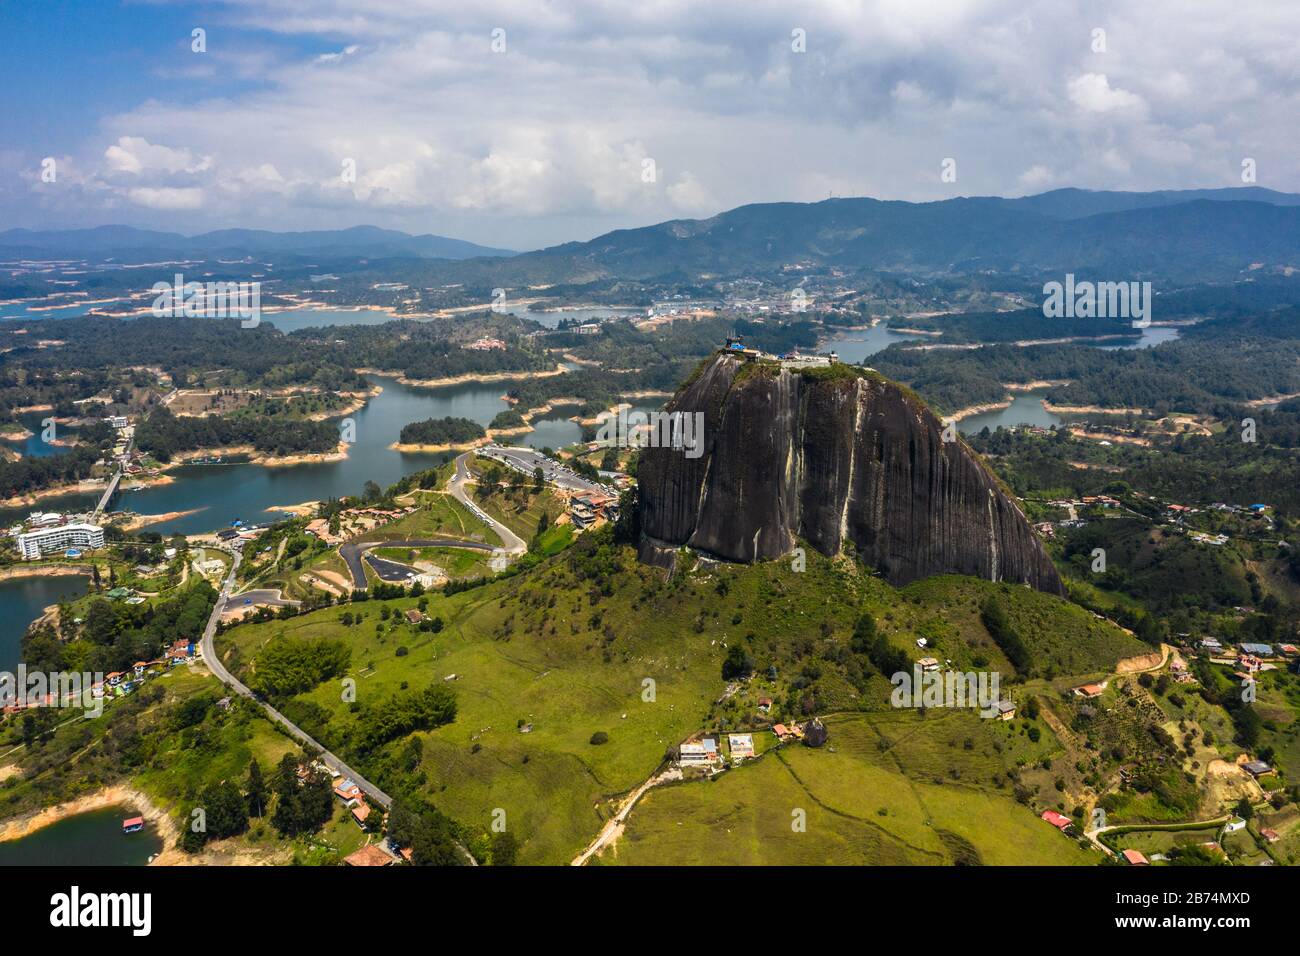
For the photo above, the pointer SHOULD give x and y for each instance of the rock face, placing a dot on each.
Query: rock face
(842, 458)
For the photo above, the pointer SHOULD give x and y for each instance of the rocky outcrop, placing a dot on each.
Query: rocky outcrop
(839, 457)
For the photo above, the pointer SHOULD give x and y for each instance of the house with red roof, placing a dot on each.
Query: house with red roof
(1057, 820)
(369, 855)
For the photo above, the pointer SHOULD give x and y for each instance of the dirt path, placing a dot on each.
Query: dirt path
(1144, 662)
(316, 581)
(613, 827)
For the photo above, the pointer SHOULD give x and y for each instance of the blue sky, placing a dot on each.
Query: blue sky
(590, 115)
(67, 63)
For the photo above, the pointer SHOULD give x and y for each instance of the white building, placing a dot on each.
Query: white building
(35, 543)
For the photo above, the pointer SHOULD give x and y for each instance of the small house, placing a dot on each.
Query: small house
(1134, 858)
(369, 855)
(742, 745)
(347, 790)
(1089, 691)
(1060, 821)
(692, 755)
(1258, 768)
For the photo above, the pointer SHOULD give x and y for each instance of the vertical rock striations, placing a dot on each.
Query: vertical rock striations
(842, 458)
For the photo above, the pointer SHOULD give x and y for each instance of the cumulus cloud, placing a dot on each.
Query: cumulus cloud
(166, 197)
(547, 140)
(1093, 92)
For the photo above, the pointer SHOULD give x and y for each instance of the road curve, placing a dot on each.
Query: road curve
(512, 543)
(230, 680)
(353, 551)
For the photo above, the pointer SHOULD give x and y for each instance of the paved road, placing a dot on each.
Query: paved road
(528, 461)
(353, 551)
(459, 487)
(229, 679)
(271, 596)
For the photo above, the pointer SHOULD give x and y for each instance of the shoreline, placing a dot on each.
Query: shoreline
(144, 521)
(467, 378)
(356, 401)
(971, 410)
(420, 449)
(1089, 410)
(55, 491)
(44, 570)
(303, 509)
(255, 457)
(1021, 343)
(1037, 385)
(111, 796)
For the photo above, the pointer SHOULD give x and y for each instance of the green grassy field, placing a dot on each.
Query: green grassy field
(862, 805)
(439, 515)
(567, 647)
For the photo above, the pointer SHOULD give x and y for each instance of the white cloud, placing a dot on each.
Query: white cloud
(1093, 92)
(135, 155)
(166, 197)
(545, 142)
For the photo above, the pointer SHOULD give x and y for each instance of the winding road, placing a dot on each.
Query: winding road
(512, 543)
(297, 733)
(354, 551)
(230, 680)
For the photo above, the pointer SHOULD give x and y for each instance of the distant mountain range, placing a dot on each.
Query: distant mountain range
(138, 245)
(1183, 233)
(1067, 229)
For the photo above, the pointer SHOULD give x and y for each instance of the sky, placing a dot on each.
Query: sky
(527, 123)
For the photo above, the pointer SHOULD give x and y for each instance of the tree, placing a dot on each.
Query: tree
(505, 848)
(994, 616)
(227, 813)
(257, 792)
(738, 663)
(627, 529)
(864, 632)
(539, 479)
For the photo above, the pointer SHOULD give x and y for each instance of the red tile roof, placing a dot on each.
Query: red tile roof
(369, 855)
(1056, 820)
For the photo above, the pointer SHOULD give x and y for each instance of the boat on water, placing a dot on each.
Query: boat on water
(133, 825)
(208, 460)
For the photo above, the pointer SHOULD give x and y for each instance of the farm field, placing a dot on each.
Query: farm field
(859, 810)
(544, 660)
